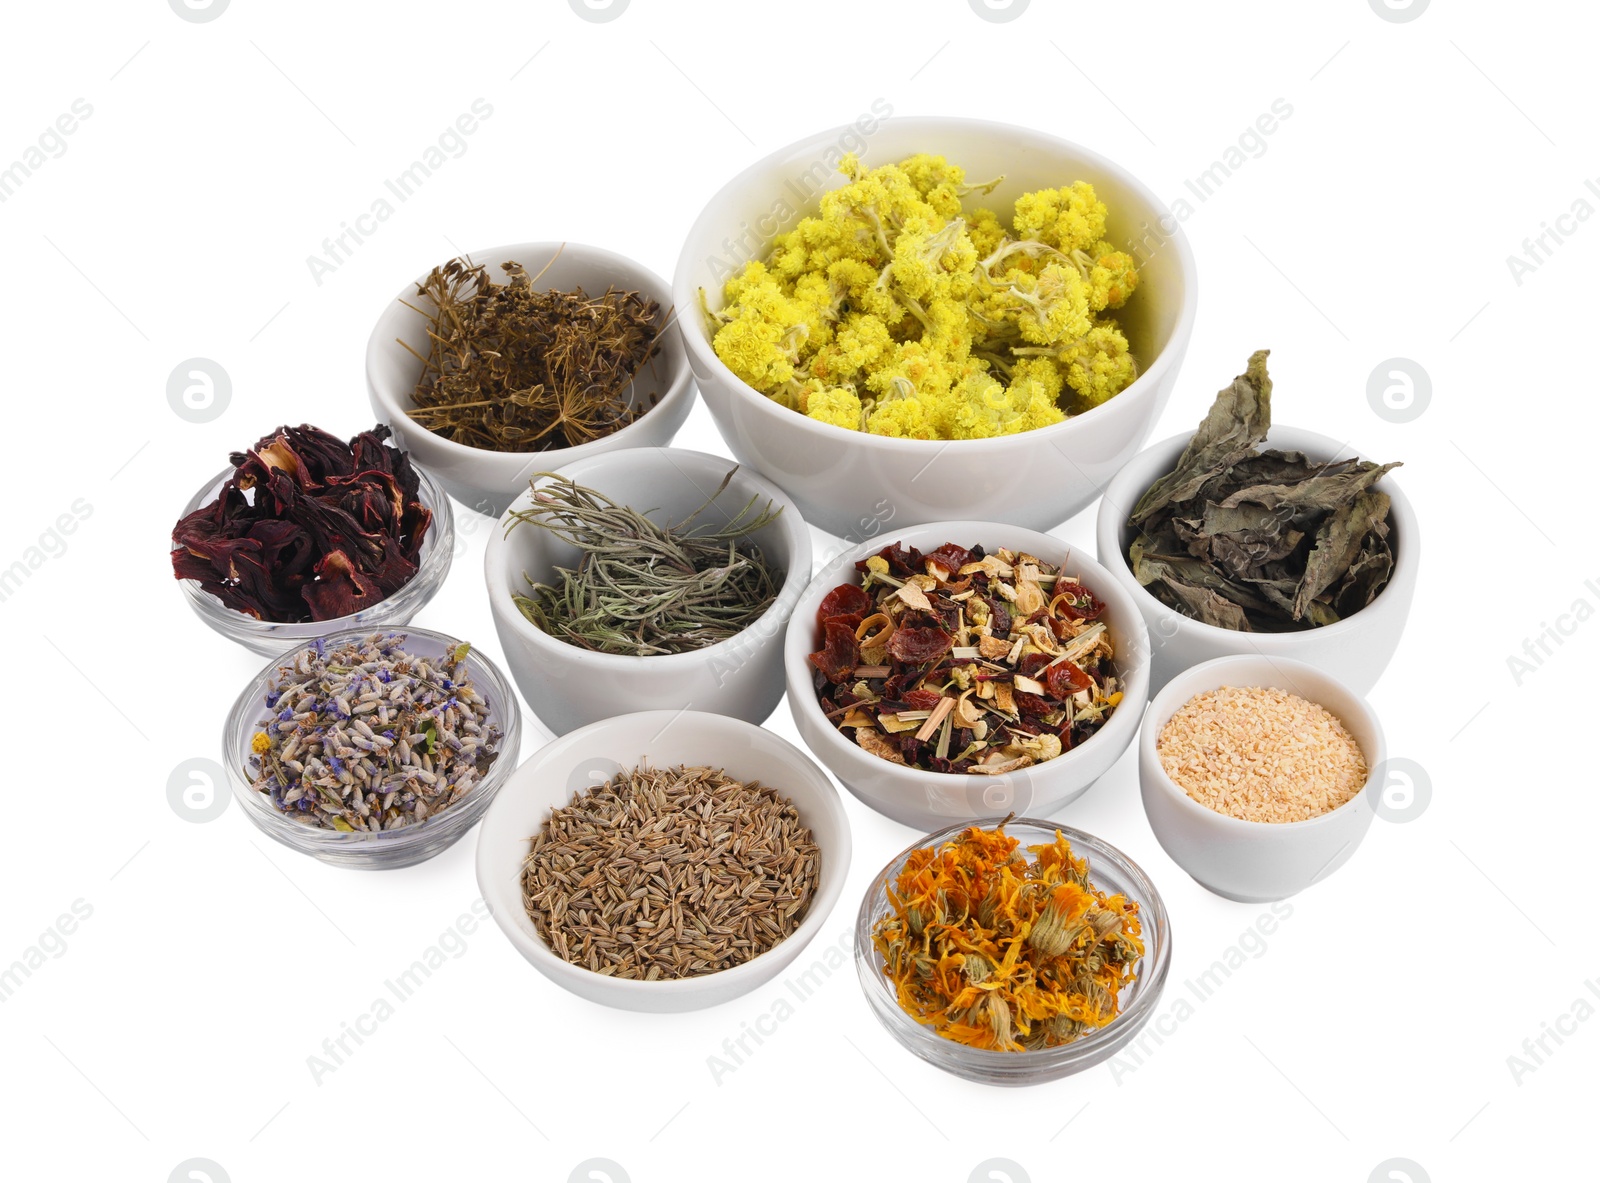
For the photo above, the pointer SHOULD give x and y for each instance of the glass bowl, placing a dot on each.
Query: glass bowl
(387, 848)
(1111, 871)
(271, 638)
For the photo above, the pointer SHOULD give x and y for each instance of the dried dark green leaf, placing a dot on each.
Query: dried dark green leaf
(1265, 541)
(1338, 543)
(1234, 426)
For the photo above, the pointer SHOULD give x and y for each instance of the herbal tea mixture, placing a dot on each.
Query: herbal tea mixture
(670, 873)
(891, 311)
(1258, 539)
(512, 368)
(964, 661)
(366, 736)
(307, 527)
(1262, 755)
(994, 950)
(640, 588)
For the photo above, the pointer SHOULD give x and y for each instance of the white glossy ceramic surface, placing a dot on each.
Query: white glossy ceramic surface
(489, 481)
(1355, 650)
(851, 483)
(1255, 862)
(592, 755)
(933, 800)
(567, 686)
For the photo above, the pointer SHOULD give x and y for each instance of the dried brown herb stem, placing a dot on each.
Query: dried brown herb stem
(512, 368)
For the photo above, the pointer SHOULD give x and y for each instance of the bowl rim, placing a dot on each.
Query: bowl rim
(487, 676)
(1135, 673)
(762, 629)
(1144, 386)
(830, 881)
(1156, 927)
(1109, 524)
(433, 564)
(669, 343)
(1164, 705)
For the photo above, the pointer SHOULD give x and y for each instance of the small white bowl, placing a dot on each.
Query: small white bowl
(854, 484)
(592, 755)
(927, 800)
(1356, 650)
(488, 481)
(567, 686)
(1256, 862)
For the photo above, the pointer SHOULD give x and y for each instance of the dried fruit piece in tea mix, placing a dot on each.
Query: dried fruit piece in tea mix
(964, 661)
(307, 527)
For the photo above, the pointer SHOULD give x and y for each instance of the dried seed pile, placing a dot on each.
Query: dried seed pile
(1262, 755)
(670, 873)
(366, 736)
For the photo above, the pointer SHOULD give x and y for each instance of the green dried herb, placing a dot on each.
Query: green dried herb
(1261, 541)
(512, 368)
(643, 589)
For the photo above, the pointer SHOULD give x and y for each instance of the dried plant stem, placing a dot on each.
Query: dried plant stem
(641, 588)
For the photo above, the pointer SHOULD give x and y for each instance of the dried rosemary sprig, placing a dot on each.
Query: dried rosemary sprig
(644, 589)
(512, 368)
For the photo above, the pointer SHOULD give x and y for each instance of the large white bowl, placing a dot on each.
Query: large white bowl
(1255, 862)
(933, 800)
(1356, 650)
(489, 481)
(853, 484)
(592, 755)
(567, 686)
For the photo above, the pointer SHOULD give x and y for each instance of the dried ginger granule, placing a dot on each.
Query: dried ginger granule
(1261, 754)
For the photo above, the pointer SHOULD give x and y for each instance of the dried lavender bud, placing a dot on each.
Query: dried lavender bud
(366, 736)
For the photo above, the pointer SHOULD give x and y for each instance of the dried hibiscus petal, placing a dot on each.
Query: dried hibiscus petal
(308, 527)
(1031, 705)
(839, 653)
(1074, 600)
(921, 700)
(1029, 664)
(949, 558)
(845, 600)
(1065, 678)
(918, 645)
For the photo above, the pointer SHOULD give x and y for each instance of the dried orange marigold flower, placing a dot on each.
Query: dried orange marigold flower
(996, 950)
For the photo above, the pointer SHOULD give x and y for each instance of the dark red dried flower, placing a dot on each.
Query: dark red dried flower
(307, 528)
(846, 599)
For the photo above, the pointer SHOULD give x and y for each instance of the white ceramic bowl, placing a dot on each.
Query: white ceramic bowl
(489, 481)
(567, 686)
(933, 800)
(592, 755)
(1356, 650)
(853, 484)
(1255, 862)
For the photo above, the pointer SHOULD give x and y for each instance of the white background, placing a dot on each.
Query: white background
(177, 222)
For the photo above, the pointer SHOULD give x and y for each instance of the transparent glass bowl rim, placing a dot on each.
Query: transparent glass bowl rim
(486, 677)
(438, 551)
(995, 1064)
